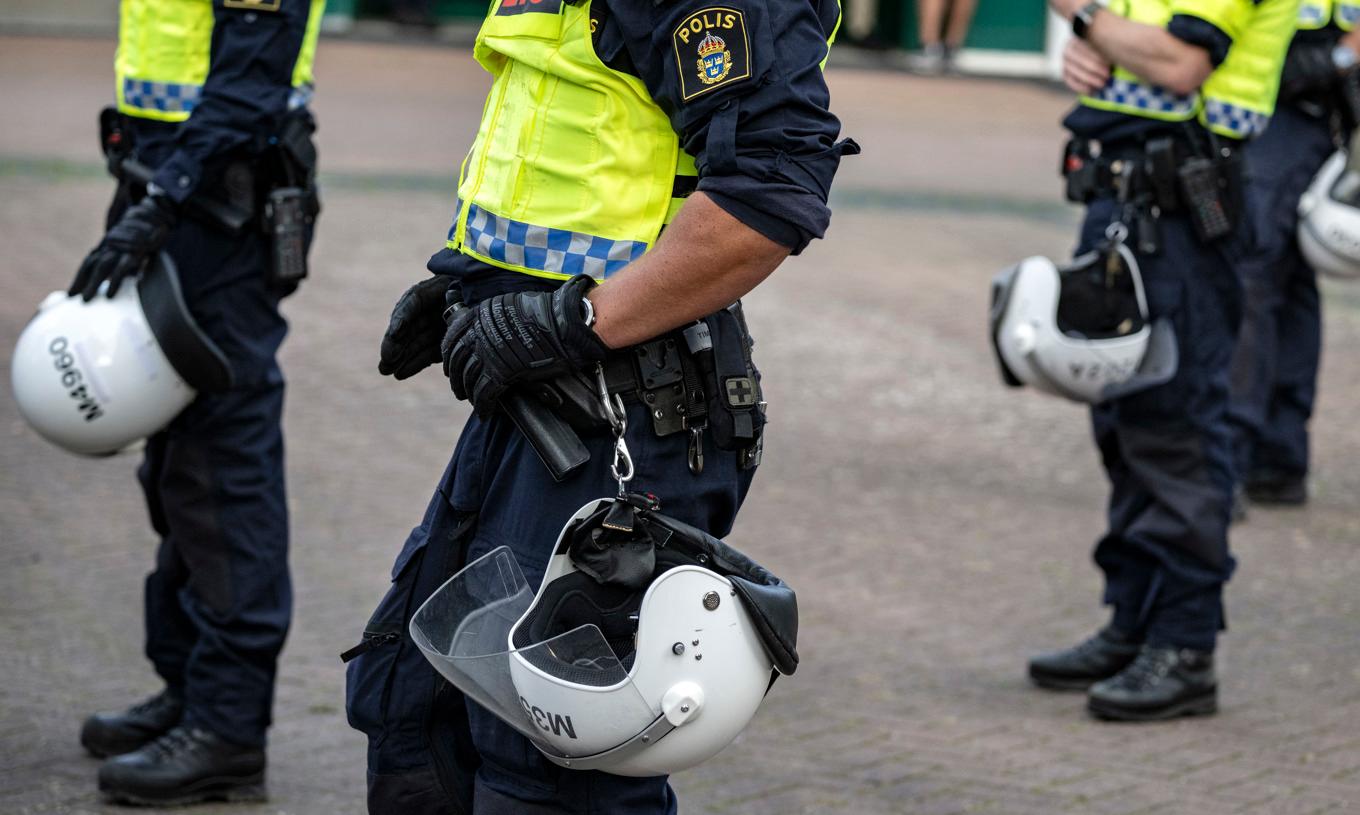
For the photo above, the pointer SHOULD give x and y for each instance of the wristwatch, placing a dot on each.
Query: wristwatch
(1344, 58)
(1081, 21)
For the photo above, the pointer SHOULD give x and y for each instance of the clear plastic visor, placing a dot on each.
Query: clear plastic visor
(570, 694)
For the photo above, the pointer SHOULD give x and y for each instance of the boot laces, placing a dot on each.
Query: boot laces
(177, 740)
(149, 704)
(1151, 666)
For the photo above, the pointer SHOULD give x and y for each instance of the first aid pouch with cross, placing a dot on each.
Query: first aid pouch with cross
(736, 409)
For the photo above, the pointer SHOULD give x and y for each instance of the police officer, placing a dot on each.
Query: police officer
(212, 112)
(638, 167)
(1170, 91)
(1274, 370)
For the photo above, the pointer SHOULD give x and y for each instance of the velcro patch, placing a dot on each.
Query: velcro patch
(253, 5)
(509, 7)
(711, 50)
(741, 392)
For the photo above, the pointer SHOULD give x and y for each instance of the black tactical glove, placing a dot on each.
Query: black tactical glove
(1308, 71)
(413, 334)
(126, 247)
(515, 338)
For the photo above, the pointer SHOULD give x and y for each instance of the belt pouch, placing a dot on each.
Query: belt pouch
(735, 409)
(1079, 171)
(287, 222)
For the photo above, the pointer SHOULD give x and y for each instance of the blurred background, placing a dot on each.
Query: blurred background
(1006, 37)
(936, 524)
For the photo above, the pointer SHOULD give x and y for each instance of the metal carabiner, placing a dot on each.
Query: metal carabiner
(622, 467)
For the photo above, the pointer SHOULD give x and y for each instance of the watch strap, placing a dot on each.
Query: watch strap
(1081, 21)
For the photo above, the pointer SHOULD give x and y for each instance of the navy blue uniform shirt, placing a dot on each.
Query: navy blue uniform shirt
(244, 99)
(760, 131)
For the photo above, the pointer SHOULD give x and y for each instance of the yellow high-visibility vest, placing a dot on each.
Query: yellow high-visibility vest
(1238, 98)
(164, 49)
(575, 168)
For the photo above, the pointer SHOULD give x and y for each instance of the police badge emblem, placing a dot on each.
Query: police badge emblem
(715, 61)
(717, 37)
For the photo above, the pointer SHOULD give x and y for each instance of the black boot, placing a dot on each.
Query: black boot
(1100, 656)
(112, 734)
(1162, 683)
(185, 766)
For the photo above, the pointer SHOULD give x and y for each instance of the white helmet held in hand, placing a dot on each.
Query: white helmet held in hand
(646, 650)
(1329, 219)
(97, 377)
(1081, 331)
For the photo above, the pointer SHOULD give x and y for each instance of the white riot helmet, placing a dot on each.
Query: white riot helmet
(1081, 331)
(1329, 219)
(97, 377)
(646, 650)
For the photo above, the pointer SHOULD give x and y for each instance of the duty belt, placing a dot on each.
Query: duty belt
(685, 383)
(1165, 175)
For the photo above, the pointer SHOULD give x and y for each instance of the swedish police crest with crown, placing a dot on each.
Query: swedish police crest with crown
(715, 61)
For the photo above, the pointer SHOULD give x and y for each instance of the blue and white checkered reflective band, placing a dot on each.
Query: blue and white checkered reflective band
(301, 96)
(167, 97)
(1348, 14)
(1146, 97)
(1312, 14)
(544, 249)
(1240, 122)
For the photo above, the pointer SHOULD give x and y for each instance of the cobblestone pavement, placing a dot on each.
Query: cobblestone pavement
(936, 526)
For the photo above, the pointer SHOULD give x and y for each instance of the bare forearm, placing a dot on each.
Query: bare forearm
(705, 260)
(1150, 52)
(1352, 40)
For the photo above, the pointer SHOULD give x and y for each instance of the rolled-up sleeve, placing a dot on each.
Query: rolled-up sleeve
(1206, 35)
(255, 48)
(742, 85)
(1228, 16)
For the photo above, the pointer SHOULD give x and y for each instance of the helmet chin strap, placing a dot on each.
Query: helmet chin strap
(650, 735)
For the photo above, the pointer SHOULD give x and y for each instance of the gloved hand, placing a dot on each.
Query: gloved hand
(1307, 70)
(516, 338)
(126, 247)
(412, 340)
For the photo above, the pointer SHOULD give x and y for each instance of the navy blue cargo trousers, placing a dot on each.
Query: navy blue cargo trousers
(1275, 367)
(1167, 450)
(219, 602)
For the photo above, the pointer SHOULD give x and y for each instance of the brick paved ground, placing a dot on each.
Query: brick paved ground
(937, 527)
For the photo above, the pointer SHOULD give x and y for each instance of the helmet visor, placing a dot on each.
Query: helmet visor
(571, 694)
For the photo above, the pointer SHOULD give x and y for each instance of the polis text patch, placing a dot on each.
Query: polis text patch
(711, 50)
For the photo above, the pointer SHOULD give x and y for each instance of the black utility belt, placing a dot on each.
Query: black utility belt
(698, 380)
(1163, 176)
(274, 193)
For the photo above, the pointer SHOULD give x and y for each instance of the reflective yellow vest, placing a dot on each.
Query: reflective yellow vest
(164, 48)
(1315, 14)
(1238, 98)
(575, 169)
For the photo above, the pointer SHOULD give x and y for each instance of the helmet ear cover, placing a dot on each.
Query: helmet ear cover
(625, 545)
(193, 355)
(577, 599)
(1094, 303)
